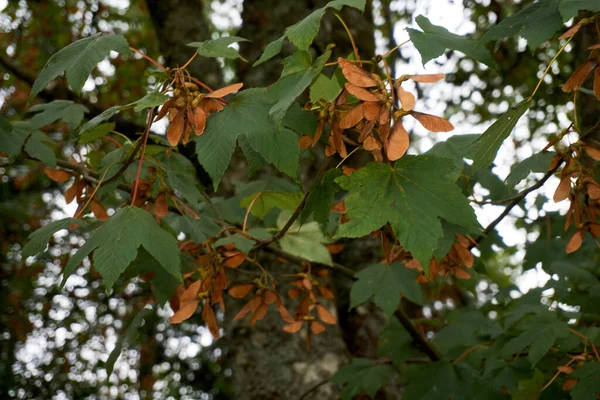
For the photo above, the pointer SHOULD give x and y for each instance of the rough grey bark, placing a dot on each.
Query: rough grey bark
(178, 22)
(265, 21)
(266, 362)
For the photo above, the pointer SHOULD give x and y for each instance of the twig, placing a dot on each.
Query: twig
(125, 165)
(420, 341)
(516, 200)
(312, 389)
(299, 260)
(213, 206)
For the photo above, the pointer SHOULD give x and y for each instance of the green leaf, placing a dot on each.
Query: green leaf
(362, 375)
(152, 99)
(37, 147)
(271, 51)
(115, 245)
(305, 241)
(181, 176)
(104, 116)
(412, 196)
(4, 125)
(541, 337)
(530, 389)
(255, 160)
(456, 148)
(243, 243)
(111, 163)
(326, 88)
(163, 284)
(247, 114)
(11, 139)
(434, 40)
(302, 33)
(300, 121)
(77, 60)
(569, 8)
(439, 380)
(219, 47)
(266, 201)
(298, 73)
(536, 163)
(396, 343)
(385, 283)
(320, 198)
(588, 386)
(490, 141)
(56, 110)
(129, 336)
(38, 240)
(446, 242)
(536, 23)
(96, 132)
(197, 230)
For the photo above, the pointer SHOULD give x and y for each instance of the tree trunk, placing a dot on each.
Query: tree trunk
(266, 362)
(178, 22)
(265, 21)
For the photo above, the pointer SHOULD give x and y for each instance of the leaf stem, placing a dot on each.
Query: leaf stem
(147, 57)
(136, 183)
(348, 156)
(395, 48)
(249, 209)
(548, 68)
(329, 64)
(91, 196)
(190, 60)
(556, 375)
(338, 16)
(581, 335)
(471, 349)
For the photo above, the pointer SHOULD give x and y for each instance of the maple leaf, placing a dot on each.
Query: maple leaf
(56, 110)
(385, 283)
(305, 241)
(247, 114)
(77, 60)
(361, 375)
(412, 196)
(588, 385)
(115, 245)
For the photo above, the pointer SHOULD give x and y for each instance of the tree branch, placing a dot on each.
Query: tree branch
(516, 200)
